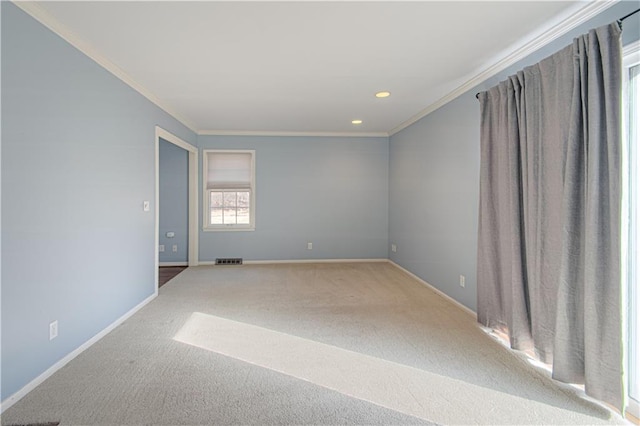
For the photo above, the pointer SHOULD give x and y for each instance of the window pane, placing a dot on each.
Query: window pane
(229, 216)
(230, 199)
(243, 216)
(216, 199)
(216, 217)
(243, 198)
(230, 207)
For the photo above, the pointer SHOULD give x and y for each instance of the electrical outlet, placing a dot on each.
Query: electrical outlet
(394, 248)
(309, 246)
(175, 248)
(461, 280)
(146, 206)
(53, 330)
(161, 248)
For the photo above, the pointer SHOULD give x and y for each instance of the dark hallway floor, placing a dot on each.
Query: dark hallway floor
(166, 273)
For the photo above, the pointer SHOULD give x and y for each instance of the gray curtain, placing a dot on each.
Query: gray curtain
(549, 224)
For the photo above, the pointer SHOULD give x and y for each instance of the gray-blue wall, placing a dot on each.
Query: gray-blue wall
(174, 201)
(332, 192)
(78, 159)
(434, 171)
(433, 202)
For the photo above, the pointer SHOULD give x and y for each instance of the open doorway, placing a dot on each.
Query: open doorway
(173, 225)
(176, 240)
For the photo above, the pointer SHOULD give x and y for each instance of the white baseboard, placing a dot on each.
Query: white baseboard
(161, 264)
(439, 292)
(278, 262)
(9, 401)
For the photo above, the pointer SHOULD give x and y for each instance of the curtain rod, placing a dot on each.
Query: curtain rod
(626, 16)
(619, 23)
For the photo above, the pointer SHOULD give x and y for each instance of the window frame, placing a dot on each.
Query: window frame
(206, 193)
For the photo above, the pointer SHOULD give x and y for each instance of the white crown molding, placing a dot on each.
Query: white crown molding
(291, 134)
(46, 19)
(554, 31)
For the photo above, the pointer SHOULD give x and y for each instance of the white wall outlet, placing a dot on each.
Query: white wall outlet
(394, 248)
(461, 280)
(146, 206)
(161, 248)
(53, 330)
(309, 246)
(175, 248)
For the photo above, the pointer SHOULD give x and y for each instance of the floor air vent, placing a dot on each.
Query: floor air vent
(229, 261)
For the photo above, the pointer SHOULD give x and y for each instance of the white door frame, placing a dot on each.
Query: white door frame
(193, 197)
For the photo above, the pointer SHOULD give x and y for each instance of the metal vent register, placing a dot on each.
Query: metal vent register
(229, 261)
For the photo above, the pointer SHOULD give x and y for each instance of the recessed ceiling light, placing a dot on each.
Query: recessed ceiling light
(382, 94)
(356, 121)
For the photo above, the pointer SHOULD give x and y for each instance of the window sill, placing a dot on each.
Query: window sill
(228, 229)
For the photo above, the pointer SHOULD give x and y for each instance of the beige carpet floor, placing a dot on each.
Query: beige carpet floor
(301, 344)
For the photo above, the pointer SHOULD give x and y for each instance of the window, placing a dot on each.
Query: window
(632, 115)
(229, 190)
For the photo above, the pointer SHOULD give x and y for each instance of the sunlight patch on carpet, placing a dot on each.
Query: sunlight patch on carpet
(387, 384)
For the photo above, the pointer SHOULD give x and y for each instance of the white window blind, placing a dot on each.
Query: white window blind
(229, 170)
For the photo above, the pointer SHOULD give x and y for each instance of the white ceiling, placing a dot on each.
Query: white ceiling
(300, 66)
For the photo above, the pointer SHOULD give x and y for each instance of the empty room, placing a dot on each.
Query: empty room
(319, 212)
